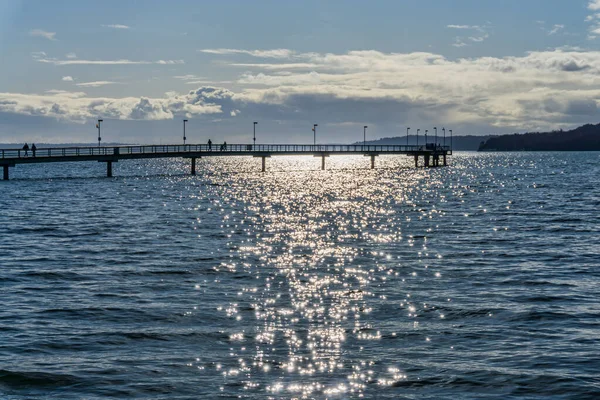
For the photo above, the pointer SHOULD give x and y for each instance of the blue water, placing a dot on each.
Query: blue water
(476, 281)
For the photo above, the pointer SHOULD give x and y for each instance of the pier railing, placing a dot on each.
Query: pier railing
(215, 149)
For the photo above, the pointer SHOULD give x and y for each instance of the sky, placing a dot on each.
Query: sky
(474, 66)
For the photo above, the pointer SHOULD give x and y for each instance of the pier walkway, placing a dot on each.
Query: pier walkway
(430, 153)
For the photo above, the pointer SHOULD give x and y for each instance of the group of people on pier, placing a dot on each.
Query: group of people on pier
(223, 146)
(26, 148)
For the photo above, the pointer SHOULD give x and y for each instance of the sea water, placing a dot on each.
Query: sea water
(478, 280)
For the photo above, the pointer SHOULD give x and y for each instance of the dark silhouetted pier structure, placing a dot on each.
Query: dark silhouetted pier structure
(430, 153)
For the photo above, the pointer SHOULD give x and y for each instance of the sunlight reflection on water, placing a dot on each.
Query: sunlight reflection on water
(315, 238)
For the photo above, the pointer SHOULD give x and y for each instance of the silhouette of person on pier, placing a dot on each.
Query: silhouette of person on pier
(224, 145)
(209, 145)
(33, 149)
(26, 148)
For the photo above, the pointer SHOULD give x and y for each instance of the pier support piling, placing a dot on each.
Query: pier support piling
(193, 166)
(5, 172)
(264, 162)
(109, 169)
(426, 160)
(322, 162)
(445, 164)
(416, 161)
(372, 161)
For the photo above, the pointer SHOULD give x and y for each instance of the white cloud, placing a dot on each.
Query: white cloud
(78, 107)
(169, 62)
(594, 29)
(481, 34)
(116, 26)
(277, 66)
(461, 27)
(95, 83)
(188, 77)
(459, 43)
(487, 90)
(555, 29)
(275, 53)
(478, 39)
(42, 33)
(67, 78)
(43, 59)
(209, 82)
(71, 55)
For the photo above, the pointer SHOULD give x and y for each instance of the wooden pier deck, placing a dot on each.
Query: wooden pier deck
(110, 154)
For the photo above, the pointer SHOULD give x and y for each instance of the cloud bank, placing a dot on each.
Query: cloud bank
(539, 90)
(78, 107)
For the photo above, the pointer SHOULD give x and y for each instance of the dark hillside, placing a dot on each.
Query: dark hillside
(584, 138)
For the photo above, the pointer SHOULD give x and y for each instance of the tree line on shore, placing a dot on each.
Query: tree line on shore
(584, 138)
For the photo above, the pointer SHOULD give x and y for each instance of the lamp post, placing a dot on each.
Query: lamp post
(435, 144)
(184, 138)
(444, 130)
(426, 131)
(315, 134)
(407, 129)
(254, 138)
(98, 126)
(418, 130)
(365, 135)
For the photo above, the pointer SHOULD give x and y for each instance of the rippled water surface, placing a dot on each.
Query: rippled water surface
(479, 280)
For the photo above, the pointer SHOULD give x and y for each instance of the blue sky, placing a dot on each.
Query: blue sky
(475, 66)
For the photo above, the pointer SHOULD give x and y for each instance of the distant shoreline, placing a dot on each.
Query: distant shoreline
(584, 138)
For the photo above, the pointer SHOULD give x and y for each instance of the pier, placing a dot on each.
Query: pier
(432, 155)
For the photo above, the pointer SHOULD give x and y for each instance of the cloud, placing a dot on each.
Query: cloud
(42, 33)
(462, 26)
(116, 26)
(78, 107)
(459, 43)
(462, 41)
(478, 39)
(95, 83)
(39, 57)
(70, 55)
(209, 82)
(594, 19)
(275, 53)
(486, 90)
(276, 66)
(555, 29)
(188, 77)
(67, 78)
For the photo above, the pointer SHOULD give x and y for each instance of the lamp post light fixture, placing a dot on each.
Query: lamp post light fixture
(98, 126)
(184, 138)
(254, 138)
(315, 134)
(365, 135)
(444, 130)
(407, 129)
